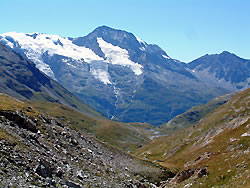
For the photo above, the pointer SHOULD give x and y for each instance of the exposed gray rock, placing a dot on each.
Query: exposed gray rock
(20, 120)
(56, 155)
(184, 175)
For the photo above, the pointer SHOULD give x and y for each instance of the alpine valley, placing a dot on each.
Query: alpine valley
(126, 79)
(110, 110)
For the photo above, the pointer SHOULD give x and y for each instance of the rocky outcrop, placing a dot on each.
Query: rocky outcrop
(184, 175)
(19, 119)
(200, 159)
(42, 152)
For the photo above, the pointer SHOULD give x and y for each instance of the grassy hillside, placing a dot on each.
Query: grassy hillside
(125, 136)
(219, 142)
(193, 116)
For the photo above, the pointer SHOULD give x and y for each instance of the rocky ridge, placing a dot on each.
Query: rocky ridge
(224, 70)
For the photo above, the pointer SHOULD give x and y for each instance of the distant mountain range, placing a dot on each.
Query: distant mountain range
(223, 70)
(126, 79)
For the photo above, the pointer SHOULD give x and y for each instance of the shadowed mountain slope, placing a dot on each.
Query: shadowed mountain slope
(21, 79)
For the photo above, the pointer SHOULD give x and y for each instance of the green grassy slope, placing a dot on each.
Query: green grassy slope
(193, 116)
(126, 136)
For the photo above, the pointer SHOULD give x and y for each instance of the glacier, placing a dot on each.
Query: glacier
(35, 45)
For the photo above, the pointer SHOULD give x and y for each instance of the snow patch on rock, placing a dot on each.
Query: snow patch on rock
(140, 41)
(101, 75)
(166, 57)
(118, 56)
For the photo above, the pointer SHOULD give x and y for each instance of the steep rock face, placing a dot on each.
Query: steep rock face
(116, 73)
(225, 70)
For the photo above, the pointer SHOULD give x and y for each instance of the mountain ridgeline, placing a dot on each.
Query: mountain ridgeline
(223, 70)
(126, 79)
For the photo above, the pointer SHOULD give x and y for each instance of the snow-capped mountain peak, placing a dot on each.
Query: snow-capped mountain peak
(37, 45)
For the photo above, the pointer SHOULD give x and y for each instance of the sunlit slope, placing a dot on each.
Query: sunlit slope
(220, 142)
(125, 136)
(38, 150)
(193, 116)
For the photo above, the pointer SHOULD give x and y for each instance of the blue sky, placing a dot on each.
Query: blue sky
(185, 29)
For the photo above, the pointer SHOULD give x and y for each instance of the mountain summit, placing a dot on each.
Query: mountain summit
(119, 38)
(117, 73)
(223, 70)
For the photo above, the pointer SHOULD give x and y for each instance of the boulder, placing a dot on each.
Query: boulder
(20, 120)
(44, 169)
